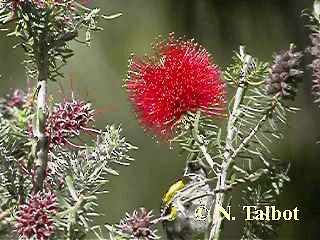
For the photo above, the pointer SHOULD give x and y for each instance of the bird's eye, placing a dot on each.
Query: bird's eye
(187, 204)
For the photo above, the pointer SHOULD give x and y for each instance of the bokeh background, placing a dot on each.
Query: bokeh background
(97, 74)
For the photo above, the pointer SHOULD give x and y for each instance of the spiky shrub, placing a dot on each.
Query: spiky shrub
(49, 180)
(179, 96)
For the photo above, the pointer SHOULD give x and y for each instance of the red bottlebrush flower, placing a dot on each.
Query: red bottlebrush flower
(181, 77)
(67, 120)
(34, 217)
(137, 225)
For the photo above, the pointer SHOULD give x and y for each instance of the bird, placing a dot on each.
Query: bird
(186, 204)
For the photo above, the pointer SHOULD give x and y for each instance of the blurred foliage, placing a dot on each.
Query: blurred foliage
(220, 26)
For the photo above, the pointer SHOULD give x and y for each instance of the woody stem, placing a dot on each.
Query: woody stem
(231, 131)
(41, 114)
(199, 140)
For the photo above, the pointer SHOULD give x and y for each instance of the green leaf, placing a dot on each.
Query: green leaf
(113, 16)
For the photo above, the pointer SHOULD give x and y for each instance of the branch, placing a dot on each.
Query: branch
(256, 128)
(66, 37)
(198, 139)
(41, 114)
(231, 131)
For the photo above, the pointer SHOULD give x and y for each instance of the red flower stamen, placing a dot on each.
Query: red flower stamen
(67, 121)
(181, 77)
(35, 217)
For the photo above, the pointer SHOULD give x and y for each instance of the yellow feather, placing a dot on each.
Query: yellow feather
(173, 214)
(172, 191)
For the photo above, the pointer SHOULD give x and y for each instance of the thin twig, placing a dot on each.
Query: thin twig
(200, 142)
(256, 128)
(231, 131)
(66, 37)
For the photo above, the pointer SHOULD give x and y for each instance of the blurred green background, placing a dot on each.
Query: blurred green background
(97, 74)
